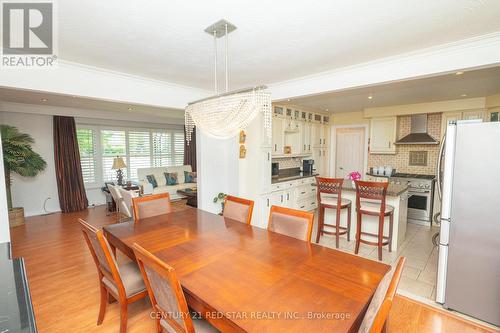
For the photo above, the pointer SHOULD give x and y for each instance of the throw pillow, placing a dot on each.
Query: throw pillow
(189, 177)
(171, 178)
(152, 180)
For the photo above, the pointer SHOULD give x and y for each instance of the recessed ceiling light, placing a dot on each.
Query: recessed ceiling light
(459, 73)
(464, 95)
(130, 108)
(44, 100)
(370, 97)
(326, 109)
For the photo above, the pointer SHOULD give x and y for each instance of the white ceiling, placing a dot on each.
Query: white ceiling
(275, 40)
(42, 98)
(477, 83)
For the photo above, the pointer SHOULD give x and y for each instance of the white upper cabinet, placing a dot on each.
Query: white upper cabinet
(278, 131)
(465, 115)
(317, 135)
(383, 135)
(306, 138)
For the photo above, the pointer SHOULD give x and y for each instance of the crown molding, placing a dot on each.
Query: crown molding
(472, 53)
(69, 78)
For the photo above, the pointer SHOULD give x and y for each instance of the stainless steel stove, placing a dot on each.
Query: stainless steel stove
(421, 196)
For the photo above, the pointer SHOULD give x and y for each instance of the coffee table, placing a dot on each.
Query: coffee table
(192, 196)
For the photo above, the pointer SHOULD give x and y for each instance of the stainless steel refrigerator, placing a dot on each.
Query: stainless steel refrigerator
(468, 278)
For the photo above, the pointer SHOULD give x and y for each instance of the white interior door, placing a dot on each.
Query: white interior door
(349, 152)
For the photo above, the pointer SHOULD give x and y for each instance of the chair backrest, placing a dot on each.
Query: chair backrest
(165, 291)
(373, 191)
(115, 193)
(104, 259)
(126, 202)
(381, 303)
(151, 205)
(329, 186)
(238, 209)
(291, 222)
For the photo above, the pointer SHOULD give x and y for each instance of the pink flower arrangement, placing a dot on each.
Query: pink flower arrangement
(354, 175)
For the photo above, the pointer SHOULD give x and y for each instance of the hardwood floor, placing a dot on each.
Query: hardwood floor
(64, 286)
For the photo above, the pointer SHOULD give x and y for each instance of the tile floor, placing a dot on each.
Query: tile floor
(419, 274)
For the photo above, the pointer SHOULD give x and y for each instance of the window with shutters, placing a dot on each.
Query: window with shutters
(139, 148)
(162, 149)
(113, 144)
(178, 152)
(86, 144)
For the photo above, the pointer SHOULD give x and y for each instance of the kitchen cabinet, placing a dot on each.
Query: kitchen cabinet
(306, 137)
(477, 114)
(321, 161)
(383, 135)
(317, 135)
(325, 135)
(454, 116)
(278, 132)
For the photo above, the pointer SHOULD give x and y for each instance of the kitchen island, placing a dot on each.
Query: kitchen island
(397, 196)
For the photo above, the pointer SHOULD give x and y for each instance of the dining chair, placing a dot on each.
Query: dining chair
(238, 209)
(291, 222)
(122, 282)
(371, 200)
(126, 202)
(375, 319)
(329, 196)
(117, 197)
(151, 205)
(167, 298)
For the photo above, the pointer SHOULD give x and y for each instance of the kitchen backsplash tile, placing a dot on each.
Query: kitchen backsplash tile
(288, 162)
(401, 160)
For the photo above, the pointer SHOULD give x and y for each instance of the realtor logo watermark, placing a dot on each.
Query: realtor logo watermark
(28, 35)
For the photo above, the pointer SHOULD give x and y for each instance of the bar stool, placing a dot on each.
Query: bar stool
(329, 187)
(375, 193)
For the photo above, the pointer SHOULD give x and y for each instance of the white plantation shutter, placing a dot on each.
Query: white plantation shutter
(139, 148)
(162, 149)
(113, 144)
(86, 145)
(139, 151)
(178, 148)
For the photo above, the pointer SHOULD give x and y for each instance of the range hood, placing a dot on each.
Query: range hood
(418, 133)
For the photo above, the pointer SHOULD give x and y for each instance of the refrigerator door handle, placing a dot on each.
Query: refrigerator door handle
(438, 171)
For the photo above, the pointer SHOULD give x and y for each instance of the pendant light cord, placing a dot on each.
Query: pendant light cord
(215, 63)
(227, 52)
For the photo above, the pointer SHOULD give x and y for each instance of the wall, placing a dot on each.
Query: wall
(217, 169)
(4, 216)
(400, 160)
(349, 118)
(34, 193)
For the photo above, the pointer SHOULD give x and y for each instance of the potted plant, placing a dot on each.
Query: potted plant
(222, 198)
(18, 157)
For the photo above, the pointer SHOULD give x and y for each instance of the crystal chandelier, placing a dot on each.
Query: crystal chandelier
(224, 115)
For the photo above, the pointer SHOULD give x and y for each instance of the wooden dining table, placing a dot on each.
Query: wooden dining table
(247, 279)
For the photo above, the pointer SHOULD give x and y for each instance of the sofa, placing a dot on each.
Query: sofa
(158, 172)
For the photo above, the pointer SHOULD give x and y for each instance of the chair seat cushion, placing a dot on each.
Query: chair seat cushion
(375, 207)
(200, 326)
(131, 278)
(332, 201)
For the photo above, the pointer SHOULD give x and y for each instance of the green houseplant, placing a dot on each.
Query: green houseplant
(221, 197)
(18, 157)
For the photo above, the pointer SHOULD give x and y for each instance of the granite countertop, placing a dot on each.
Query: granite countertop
(393, 190)
(286, 178)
